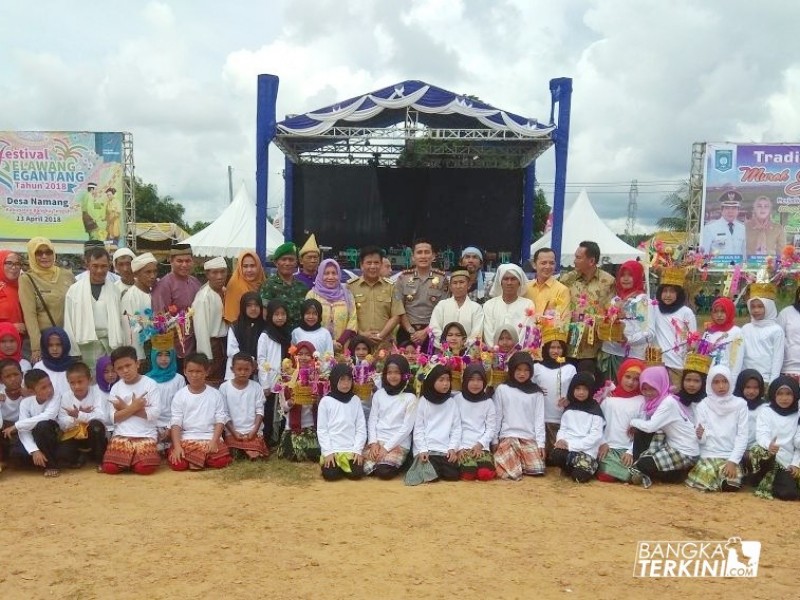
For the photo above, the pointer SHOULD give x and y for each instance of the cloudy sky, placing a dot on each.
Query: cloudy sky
(650, 78)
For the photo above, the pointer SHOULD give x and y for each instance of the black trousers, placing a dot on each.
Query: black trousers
(403, 337)
(445, 469)
(46, 434)
(648, 466)
(560, 458)
(72, 453)
(335, 472)
(785, 486)
(271, 437)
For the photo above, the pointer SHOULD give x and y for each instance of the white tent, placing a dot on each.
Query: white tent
(233, 231)
(581, 223)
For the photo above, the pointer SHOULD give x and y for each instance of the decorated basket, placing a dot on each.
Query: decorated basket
(498, 376)
(363, 391)
(653, 356)
(456, 378)
(303, 395)
(611, 331)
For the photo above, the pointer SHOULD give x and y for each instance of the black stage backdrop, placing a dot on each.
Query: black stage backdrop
(352, 206)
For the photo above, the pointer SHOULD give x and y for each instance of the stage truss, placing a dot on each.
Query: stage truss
(414, 144)
(695, 206)
(128, 192)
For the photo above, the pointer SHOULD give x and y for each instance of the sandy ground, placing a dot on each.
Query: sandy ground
(277, 531)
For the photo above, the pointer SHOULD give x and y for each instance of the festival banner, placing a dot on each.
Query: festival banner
(751, 202)
(65, 186)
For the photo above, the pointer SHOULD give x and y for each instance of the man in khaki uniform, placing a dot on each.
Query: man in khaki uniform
(419, 289)
(377, 311)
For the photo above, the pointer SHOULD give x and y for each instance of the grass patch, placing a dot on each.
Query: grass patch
(276, 470)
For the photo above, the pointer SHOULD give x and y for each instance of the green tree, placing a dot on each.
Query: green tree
(152, 208)
(678, 203)
(541, 211)
(198, 226)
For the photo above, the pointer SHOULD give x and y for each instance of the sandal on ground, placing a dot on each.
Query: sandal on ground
(52, 472)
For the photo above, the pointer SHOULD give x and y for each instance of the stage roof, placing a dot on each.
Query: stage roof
(379, 127)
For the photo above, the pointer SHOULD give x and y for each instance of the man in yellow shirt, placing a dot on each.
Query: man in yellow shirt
(547, 293)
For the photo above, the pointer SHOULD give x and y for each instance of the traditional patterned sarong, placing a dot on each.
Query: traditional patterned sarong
(79, 432)
(550, 439)
(516, 457)
(754, 458)
(91, 351)
(341, 459)
(301, 446)
(216, 372)
(197, 454)
(395, 458)
(255, 448)
(126, 452)
(613, 466)
(707, 475)
(666, 457)
(484, 460)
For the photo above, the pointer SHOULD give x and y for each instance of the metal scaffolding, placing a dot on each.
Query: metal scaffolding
(128, 191)
(695, 207)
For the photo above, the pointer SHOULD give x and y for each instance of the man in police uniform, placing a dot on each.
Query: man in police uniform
(419, 289)
(726, 235)
(377, 311)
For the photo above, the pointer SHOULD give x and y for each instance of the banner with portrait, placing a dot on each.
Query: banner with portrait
(65, 186)
(751, 202)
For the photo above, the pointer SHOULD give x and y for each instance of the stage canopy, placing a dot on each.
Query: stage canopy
(415, 125)
(582, 224)
(233, 230)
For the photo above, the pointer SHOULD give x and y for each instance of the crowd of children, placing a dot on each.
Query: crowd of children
(713, 412)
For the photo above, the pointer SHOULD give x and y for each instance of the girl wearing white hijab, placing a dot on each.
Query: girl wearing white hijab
(722, 423)
(764, 339)
(508, 305)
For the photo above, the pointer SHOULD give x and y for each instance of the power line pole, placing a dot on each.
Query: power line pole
(230, 184)
(633, 194)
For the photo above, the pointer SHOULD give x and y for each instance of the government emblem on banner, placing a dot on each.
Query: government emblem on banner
(723, 160)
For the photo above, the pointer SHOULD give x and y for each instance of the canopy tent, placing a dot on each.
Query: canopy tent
(581, 224)
(381, 128)
(233, 231)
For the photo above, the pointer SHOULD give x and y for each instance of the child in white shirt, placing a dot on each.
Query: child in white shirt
(721, 425)
(198, 419)
(777, 446)
(750, 386)
(11, 394)
(164, 371)
(84, 419)
(519, 406)
(478, 426)
(244, 403)
(311, 329)
(391, 420)
(136, 407)
(622, 405)
(581, 432)
(553, 376)
(37, 426)
(437, 431)
(341, 429)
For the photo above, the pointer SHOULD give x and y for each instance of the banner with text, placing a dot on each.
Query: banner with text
(65, 186)
(751, 202)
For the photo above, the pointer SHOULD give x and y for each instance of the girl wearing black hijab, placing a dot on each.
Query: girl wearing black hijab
(774, 451)
(391, 420)
(341, 429)
(273, 347)
(581, 432)
(477, 425)
(519, 405)
(670, 312)
(311, 329)
(248, 327)
(437, 431)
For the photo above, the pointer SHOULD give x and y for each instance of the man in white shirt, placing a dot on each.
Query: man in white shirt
(92, 316)
(137, 300)
(210, 329)
(122, 266)
(726, 236)
(459, 307)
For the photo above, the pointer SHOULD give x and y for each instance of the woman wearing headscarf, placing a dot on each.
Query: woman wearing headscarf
(633, 306)
(726, 335)
(789, 320)
(10, 310)
(55, 357)
(338, 307)
(764, 339)
(508, 304)
(669, 319)
(42, 292)
(248, 276)
(244, 333)
(674, 449)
